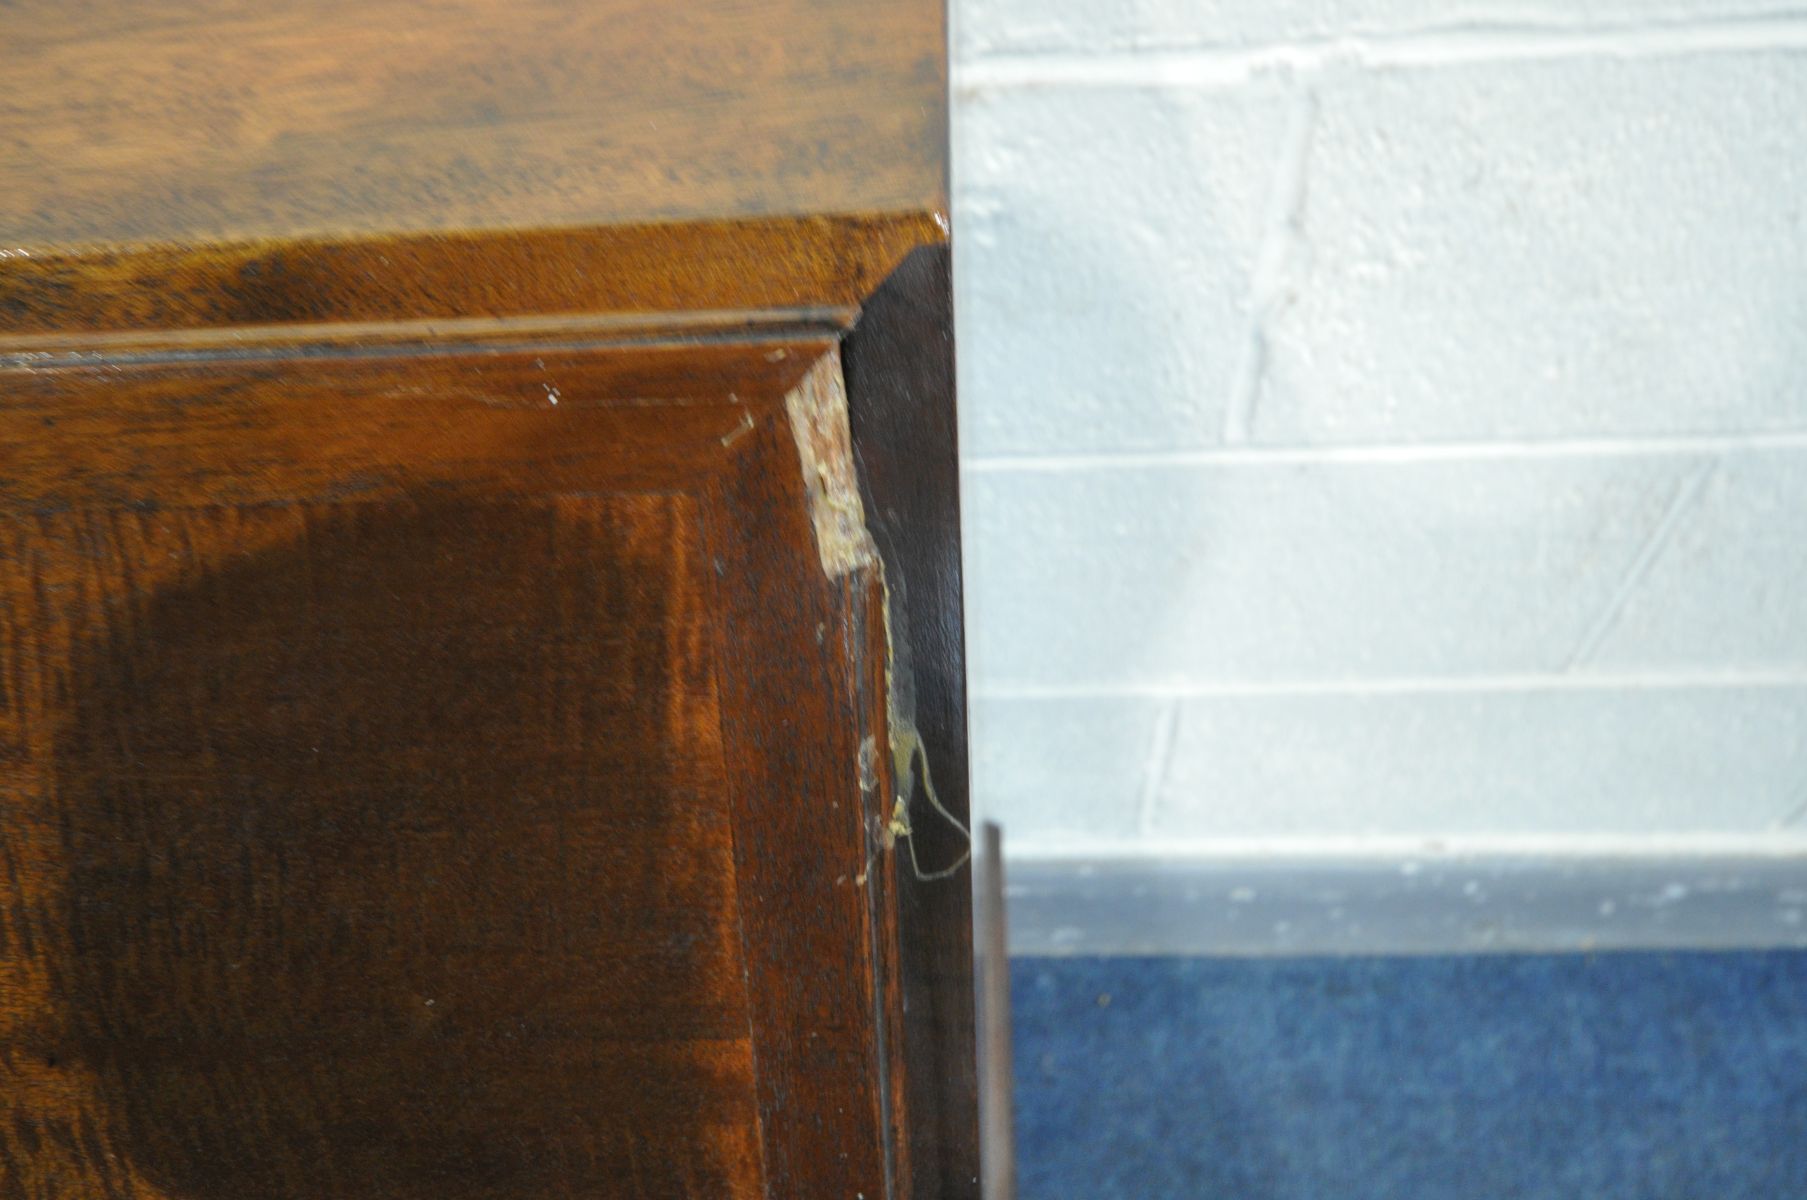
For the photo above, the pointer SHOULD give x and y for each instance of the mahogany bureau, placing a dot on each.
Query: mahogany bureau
(481, 684)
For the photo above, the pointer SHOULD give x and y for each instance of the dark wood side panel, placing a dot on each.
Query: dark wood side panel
(369, 849)
(428, 777)
(437, 757)
(899, 363)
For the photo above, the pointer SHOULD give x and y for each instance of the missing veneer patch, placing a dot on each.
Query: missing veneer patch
(818, 413)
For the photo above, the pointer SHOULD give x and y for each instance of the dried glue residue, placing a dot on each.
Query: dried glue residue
(909, 753)
(912, 761)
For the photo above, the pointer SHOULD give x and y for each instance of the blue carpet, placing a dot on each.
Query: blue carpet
(1612, 1077)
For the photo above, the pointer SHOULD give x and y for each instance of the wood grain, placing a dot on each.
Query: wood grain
(372, 849)
(801, 835)
(436, 757)
(227, 120)
(242, 432)
(413, 787)
(218, 163)
(816, 267)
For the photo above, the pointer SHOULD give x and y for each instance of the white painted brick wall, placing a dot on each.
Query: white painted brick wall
(1107, 272)
(1385, 420)
(991, 28)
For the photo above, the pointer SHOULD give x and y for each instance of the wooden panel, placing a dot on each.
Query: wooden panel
(802, 840)
(459, 797)
(369, 850)
(900, 383)
(254, 431)
(447, 687)
(817, 267)
(220, 163)
(223, 120)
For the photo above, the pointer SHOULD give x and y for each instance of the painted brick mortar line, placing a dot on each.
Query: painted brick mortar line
(1402, 685)
(1229, 67)
(1428, 850)
(1394, 453)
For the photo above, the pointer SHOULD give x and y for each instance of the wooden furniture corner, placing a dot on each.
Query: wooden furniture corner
(481, 676)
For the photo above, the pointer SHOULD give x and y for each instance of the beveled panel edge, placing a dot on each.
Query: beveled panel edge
(650, 274)
(453, 335)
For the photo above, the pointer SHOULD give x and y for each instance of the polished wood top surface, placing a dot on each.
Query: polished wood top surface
(218, 164)
(231, 120)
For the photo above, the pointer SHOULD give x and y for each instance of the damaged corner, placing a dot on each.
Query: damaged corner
(899, 366)
(817, 408)
(818, 411)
